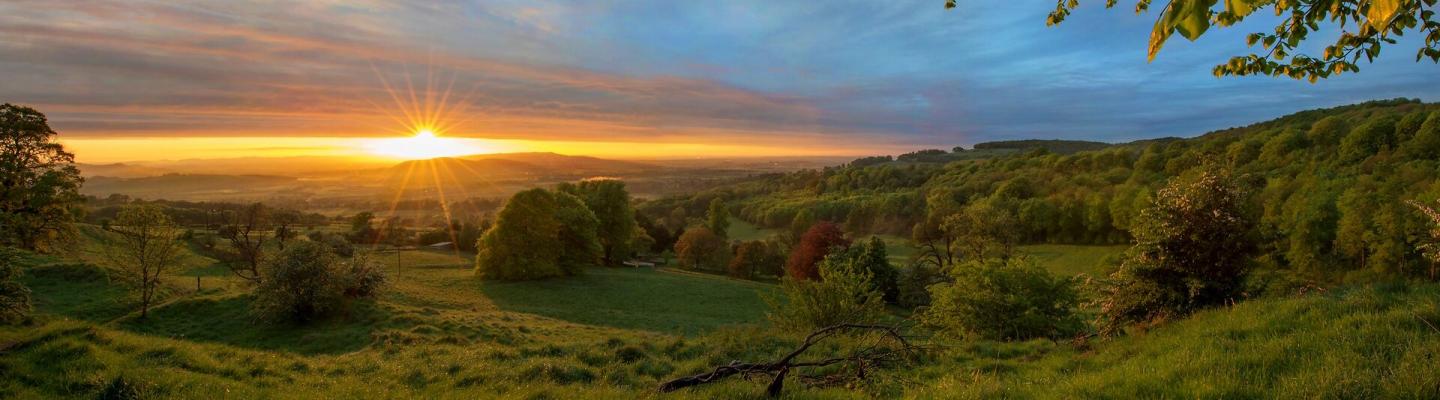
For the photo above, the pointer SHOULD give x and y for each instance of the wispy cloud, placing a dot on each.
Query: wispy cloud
(860, 73)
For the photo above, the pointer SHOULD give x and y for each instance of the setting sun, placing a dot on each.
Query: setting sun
(424, 144)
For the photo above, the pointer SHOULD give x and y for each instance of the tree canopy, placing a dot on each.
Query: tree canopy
(1365, 27)
(39, 183)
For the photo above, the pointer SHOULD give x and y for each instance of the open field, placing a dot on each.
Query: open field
(439, 333)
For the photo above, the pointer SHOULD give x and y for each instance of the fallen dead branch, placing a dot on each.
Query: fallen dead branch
(890, 348)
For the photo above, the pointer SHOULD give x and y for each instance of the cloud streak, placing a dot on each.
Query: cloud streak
(861, 74)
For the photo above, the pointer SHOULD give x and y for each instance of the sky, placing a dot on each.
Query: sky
(125, 80)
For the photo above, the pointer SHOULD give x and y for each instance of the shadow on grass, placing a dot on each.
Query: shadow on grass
(227, 320)
(640, 299)
(76, 290)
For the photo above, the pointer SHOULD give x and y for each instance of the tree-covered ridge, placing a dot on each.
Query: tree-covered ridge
(1329, 187)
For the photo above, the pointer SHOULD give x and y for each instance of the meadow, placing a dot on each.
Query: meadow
(616, 333)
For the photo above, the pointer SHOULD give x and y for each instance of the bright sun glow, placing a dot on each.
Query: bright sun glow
(425, 144)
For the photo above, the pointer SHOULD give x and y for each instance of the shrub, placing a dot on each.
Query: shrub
(307, 281)
(913, 285)
(1191, 250)
(14, 296)
(1004, 300)
(364, 278)
(840, 296)
(871, 259)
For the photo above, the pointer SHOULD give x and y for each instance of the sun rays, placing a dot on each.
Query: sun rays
(423, 117)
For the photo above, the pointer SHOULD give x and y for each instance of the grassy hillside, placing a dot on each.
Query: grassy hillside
(1377, 342)
(439, 334)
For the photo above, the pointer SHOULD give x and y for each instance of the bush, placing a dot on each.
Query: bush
(364, 277)
(307, 281)
(840, 296)
(1192, 250)
(1004, 300)
(14, 296)
(871, 258)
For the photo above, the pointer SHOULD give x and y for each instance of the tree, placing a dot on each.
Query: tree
(1376, 23)
(718, 218)
(755, 257)
(981, 231)
(285, 222)
(39, 184)
(871, 259)
(815, 244)
(14, 296)
(699, 248)
(245, 229)
(361, 231)
(580, 242)
(1425, 144)
(145, 249)
(1004, 300)
(524, 243)
(1191, 250)
(610, 203)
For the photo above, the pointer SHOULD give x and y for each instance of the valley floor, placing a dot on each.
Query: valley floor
(617, 333)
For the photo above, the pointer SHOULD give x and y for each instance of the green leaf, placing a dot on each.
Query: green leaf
(1381, 11)
(1193, 18)
(1241, 8)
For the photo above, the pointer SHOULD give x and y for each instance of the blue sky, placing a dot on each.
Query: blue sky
(856, 74)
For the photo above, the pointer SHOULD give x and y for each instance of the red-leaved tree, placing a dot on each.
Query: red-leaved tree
(814, 245)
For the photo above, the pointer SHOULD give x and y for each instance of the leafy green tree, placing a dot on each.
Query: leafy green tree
(14, 296)
(580, 242)
(699, 248)
(982, 231)
(610, 203)
(871, 259)
(718, 218)
(1425, 144)
(1366, 140)
(530, 239)
(1327, 131)
(840, 296)
(1004, 300)
(146, 247)
(1376, 23)
(39, 184)
(1191, 250)
(756, 257)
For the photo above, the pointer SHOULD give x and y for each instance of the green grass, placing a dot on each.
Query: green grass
(616, 333)
(1070, 260)
(1372, 342)
(741, 230)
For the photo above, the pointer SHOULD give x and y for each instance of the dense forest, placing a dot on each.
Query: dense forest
(1328, 189)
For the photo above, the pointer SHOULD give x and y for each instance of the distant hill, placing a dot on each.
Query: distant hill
(560, 162)
(513, 165)
(185, 186)
(119, 170)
